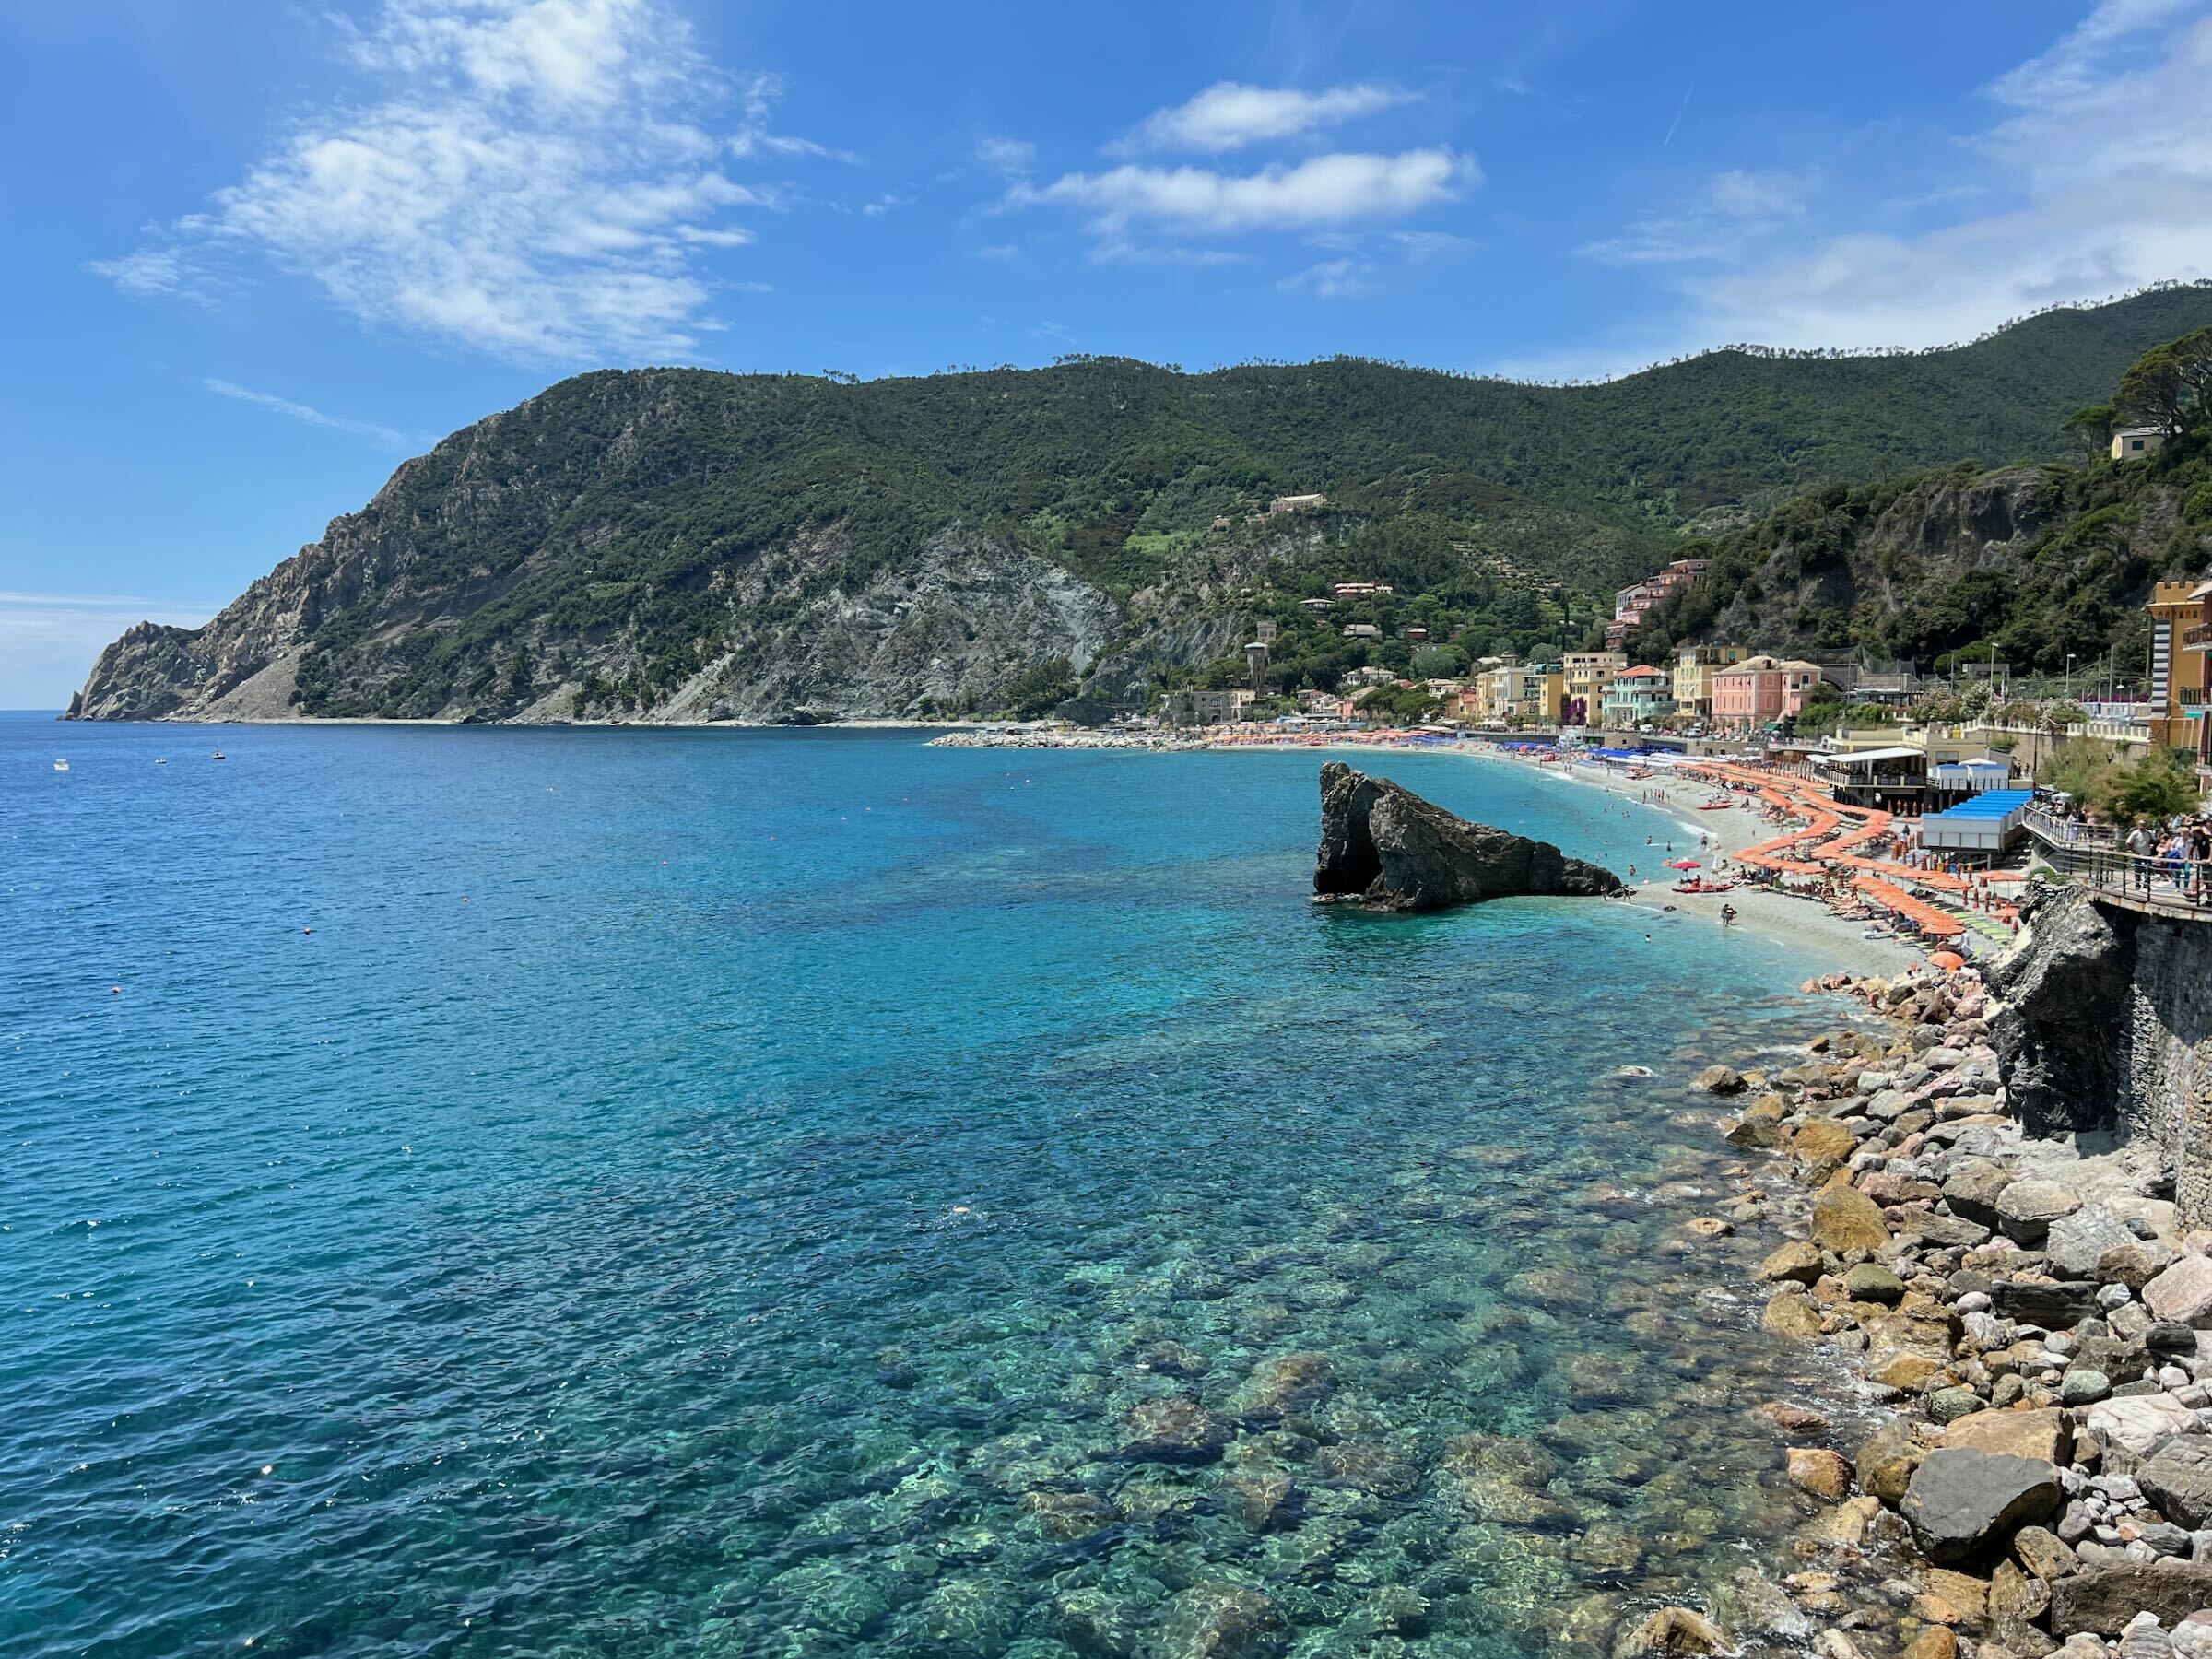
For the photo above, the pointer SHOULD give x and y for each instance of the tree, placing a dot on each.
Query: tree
(1438, 662)
(2159, 786)
(2091, 427)
(2167, 385)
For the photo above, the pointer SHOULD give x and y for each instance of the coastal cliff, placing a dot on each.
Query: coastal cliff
(2104, 1022)
(1385, 846)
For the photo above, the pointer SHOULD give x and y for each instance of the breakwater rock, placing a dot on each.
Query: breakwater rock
(1385, 846)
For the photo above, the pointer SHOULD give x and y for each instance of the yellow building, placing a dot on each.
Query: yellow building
(1694, 667)
(2137, 443)
(2181, 636)
(1588, 673)
(1531, 690)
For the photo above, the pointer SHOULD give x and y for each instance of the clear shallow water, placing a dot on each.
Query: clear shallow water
(811, 1193)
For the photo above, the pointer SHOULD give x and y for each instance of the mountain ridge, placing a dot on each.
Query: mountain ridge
(682, 544)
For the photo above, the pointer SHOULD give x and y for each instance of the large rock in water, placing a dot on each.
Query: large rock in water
(1383, 844)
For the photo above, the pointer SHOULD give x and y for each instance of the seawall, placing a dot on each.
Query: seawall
(2104, 1024)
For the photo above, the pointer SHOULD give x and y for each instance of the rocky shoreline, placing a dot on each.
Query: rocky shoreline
(2032, 1313)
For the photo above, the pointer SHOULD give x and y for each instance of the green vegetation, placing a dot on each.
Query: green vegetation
(2159, 786)
(1903, 568)
(643, 520)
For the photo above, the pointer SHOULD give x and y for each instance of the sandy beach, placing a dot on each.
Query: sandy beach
(1803, 921)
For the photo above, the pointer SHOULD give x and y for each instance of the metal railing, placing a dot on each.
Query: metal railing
(2068, 833)
(2197, 637)
(2176, 888)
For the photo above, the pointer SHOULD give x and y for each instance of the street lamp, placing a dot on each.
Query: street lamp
(2069, 676)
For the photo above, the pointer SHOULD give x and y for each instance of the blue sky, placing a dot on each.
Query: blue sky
(260, 253)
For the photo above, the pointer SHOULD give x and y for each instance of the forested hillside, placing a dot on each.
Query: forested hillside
(2027, 565)
(681, 545)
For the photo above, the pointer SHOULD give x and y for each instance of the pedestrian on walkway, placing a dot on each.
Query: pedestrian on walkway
(2142, 846)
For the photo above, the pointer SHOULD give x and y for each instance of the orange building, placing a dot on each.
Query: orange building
(2180, 641)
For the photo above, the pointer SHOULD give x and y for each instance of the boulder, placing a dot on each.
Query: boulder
(1961, 1501)
(2046, 1435)
(1790, 1312)
(1887, 1459)
(1221, 1621)
(1946, 1232)
(1672, 1630)
(1822, 1145)
(2078, 1242)
(2183, 1293)
(2039, 1550)
(2131, 1428)
(1174, 1429)
(2134, 1265)
(1821, 1471)
(2026, 1208)
(1797, 1260)
(1846, 1219)
(1385, 846)
(2178, 1478)
(1872, 1282)
(1975, 1187)
(2104, 1599)
(2054, 1307)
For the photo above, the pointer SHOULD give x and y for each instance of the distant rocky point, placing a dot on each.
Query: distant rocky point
(1385, 847)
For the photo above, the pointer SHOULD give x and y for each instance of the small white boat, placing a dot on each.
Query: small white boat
(160, 759)
(218, 754)
(61, 766)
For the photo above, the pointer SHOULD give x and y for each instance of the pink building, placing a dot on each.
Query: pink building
(1759, 690)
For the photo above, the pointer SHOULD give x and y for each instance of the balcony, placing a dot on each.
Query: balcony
(2198, 637)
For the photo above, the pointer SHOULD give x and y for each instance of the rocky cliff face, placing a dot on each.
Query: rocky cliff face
(473, 587)
(1383, 844)
(1928, 538)
(2105, 1022)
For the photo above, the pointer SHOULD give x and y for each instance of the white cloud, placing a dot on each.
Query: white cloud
(1229, 115)
(762, 92)
(537, 182)
(149, 272)
(304, 413)
(1726, 220)
(1013, 157)
(1345, 278)
(1322, 191)
(2096, 178)
(1431, 247)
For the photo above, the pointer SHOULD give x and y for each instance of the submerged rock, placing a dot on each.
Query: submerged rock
(1384, 845)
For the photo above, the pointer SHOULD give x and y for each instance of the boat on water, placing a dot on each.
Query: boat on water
(61, 766)
(160, 759)
(219, 755)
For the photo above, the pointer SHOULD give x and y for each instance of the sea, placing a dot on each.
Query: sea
(596, 1193)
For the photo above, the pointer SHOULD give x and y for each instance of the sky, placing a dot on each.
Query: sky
(257, 253)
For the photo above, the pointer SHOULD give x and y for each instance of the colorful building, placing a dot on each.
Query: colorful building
(2137, 443)
(1694, 667)
(1634, 602)
(1531, 690)
(2181, 644)
(1761, 690)
(1637, 695)
(1588, 673)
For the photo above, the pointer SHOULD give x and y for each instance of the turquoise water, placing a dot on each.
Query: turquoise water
(725, 1192)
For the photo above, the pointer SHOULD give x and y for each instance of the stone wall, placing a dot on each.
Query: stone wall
(2104, 1022)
